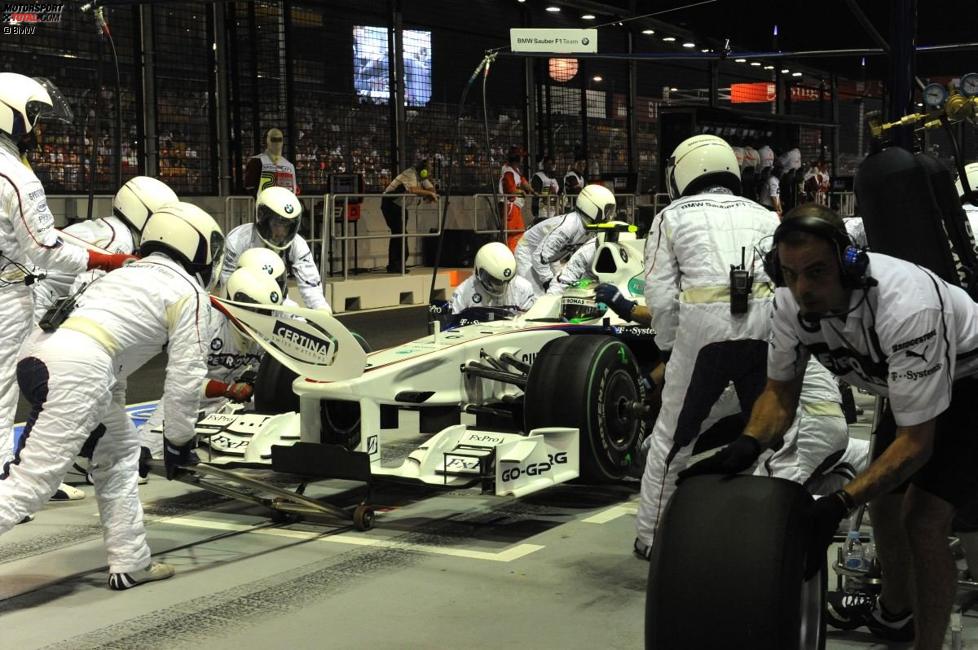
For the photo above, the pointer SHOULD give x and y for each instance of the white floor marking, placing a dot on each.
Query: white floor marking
(612, 513)
(507, 555)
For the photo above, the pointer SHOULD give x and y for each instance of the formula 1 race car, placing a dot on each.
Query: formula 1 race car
(511, 404)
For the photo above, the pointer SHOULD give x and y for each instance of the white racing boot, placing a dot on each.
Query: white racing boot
(67, 493)
(155, 571)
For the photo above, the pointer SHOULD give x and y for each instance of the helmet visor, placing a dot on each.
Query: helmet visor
(217, 260)
(276, 230)
(578, 309)
(58, 111)
(493, 286)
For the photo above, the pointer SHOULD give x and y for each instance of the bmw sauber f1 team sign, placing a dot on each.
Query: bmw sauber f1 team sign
(556, 41)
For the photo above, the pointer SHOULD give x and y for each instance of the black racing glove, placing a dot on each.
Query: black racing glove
(611, 296)
(177, 456)
(827, 513)
(738, 456)
(144, 457)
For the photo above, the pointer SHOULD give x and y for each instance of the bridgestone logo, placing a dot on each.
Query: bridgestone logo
(912, 342)
(302, 341)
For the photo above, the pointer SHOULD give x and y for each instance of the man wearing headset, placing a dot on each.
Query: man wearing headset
(413, 180)
(897, 330)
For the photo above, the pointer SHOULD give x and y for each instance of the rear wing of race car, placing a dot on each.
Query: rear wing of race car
(309, 342)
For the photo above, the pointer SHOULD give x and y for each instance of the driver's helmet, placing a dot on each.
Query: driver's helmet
(495, 267)
(580, 307)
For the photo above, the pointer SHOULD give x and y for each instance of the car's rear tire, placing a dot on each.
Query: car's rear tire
(727, 568)
(590, 382)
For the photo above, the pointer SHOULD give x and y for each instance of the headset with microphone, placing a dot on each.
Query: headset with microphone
(853, 261)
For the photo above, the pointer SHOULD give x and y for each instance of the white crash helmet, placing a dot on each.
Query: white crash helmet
(752, 159)
(739, 153)
(495, 267)
(700, 162)
(766, 155)
(138, 198)
(188, 235)
(23, 101)
(596, 203)
(267, 262)
(971, 169)
(277, 216)
(253, 286)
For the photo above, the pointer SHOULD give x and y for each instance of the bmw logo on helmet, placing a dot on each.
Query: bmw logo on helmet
(624, 256)
(274, 297)
(507, 272)
(477, 298)
(289, 209)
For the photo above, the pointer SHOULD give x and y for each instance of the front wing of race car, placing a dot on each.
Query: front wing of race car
(505, 464)
(501, 463)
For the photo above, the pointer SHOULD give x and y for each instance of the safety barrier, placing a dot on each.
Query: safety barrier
(486, 220)
(77, 204)
(336, 208)
(237, 210)
(843, 202)
(660, 200)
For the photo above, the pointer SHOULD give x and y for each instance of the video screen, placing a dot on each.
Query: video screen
(370, 64)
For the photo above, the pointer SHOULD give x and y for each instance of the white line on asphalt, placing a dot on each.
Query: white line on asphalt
(507, 555)
(611, 514)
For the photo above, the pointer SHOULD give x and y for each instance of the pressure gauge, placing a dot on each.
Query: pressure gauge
(934, 95)
(969, 84)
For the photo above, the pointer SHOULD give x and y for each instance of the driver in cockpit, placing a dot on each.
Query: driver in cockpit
(494, 283)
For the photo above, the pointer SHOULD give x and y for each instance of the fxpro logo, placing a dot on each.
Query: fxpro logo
(297, 340)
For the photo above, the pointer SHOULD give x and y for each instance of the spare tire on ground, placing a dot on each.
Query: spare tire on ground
(727, 569)
(589, 382)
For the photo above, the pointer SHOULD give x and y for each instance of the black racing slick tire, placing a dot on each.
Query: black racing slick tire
(590, 382)
(273, 388)
(727, 569)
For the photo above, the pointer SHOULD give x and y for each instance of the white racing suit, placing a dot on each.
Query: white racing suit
(297, 257)
(74, 379)
(230, 353)
(813, 453)
(689, 252)
(546, 244)
(519, 296)
(108, 233)
(577, 268)
(27, 239)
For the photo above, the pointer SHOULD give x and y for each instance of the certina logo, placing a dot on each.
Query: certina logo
(298, 338)
(535, 469)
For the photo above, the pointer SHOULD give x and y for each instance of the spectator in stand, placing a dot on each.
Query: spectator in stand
(413, 180)
(513, 186)
(270, 168)
(544, 183)
(574, 178)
